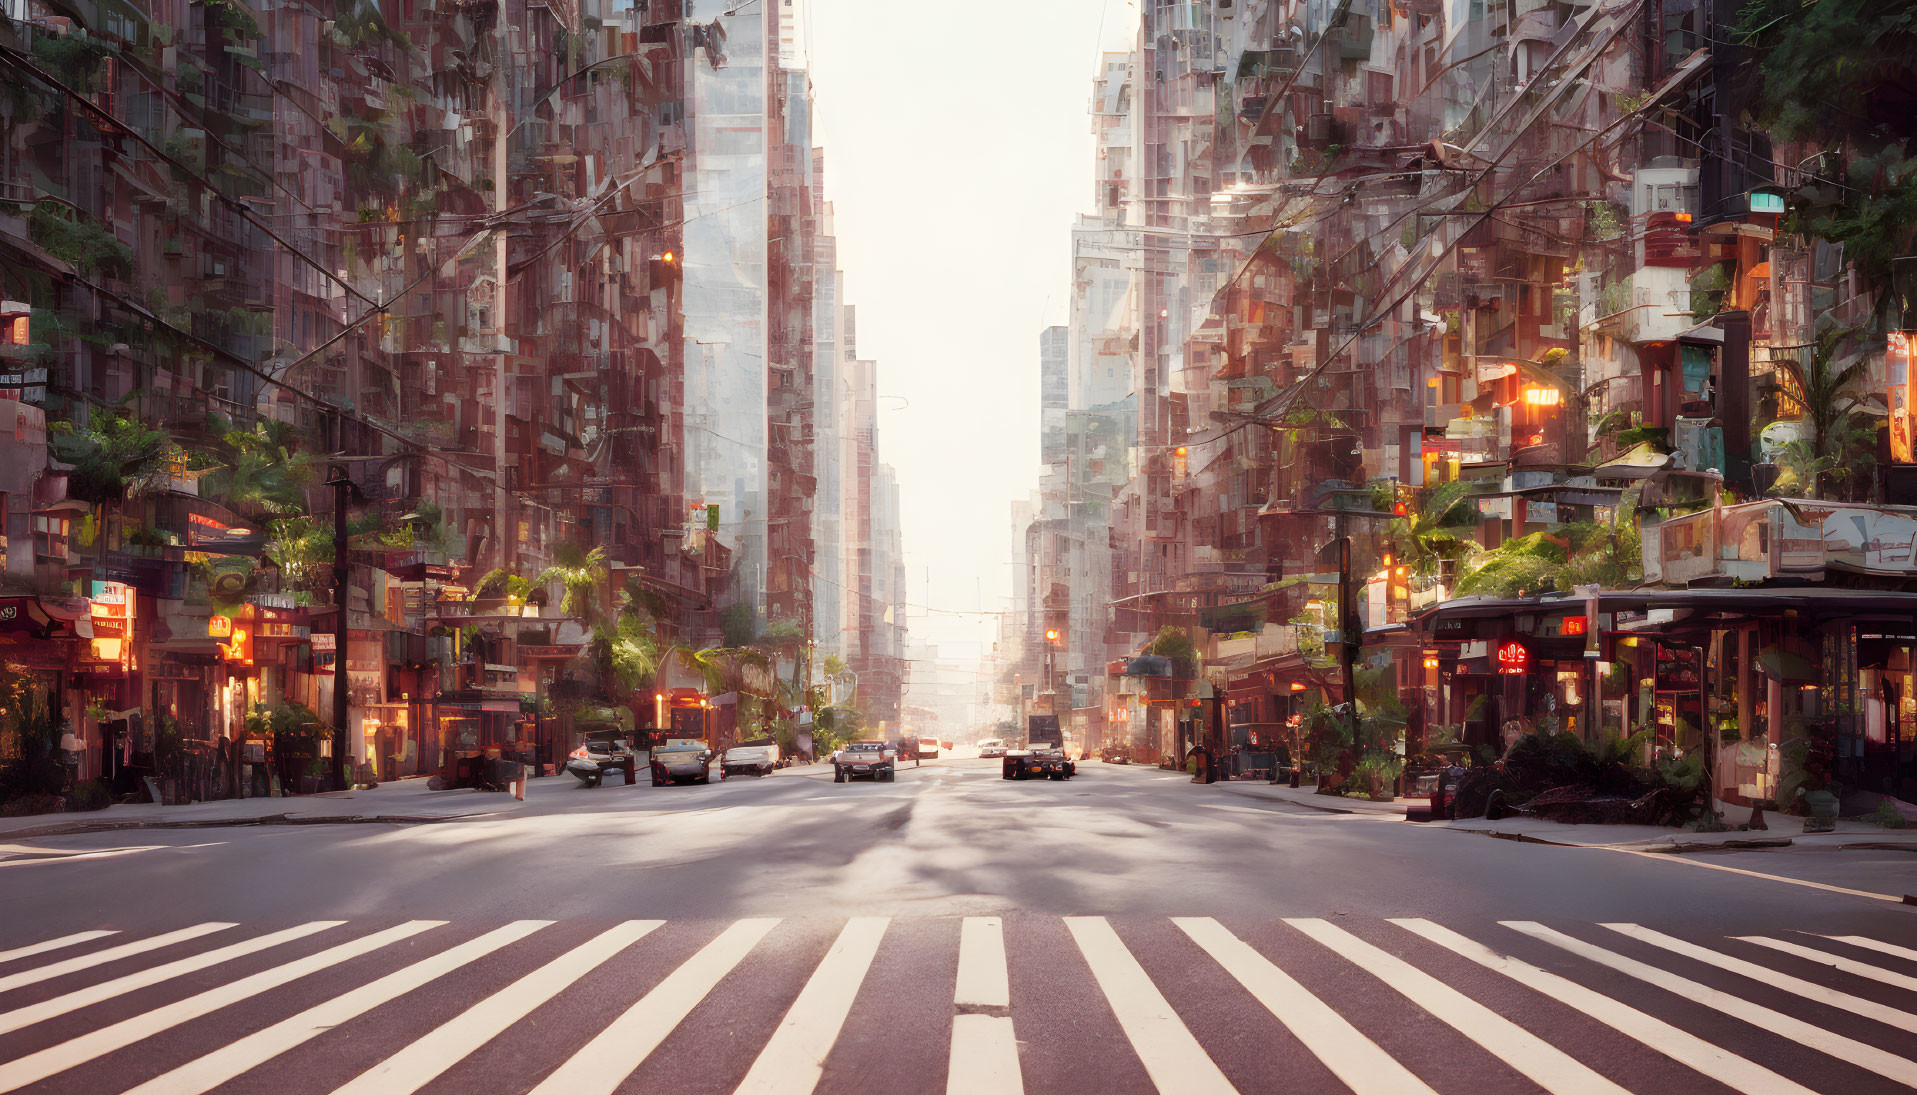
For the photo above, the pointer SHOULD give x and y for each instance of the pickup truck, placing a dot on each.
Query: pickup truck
(758, 760)
(864, 758)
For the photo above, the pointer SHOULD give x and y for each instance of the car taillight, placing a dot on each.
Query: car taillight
(581, 754)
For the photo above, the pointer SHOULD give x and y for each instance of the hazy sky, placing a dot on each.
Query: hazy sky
(958, 151)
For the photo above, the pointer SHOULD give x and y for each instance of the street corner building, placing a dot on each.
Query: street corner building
(386, 387)
(1469, 372)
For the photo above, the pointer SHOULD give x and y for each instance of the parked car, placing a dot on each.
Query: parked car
(1113, 754)
(599, 753)
(1043, 763)
(929, 748)
(681, 761)
(946, 746)
(757, 760)
(991, 747)
(865, 758)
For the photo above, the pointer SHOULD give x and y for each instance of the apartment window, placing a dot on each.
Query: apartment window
(50, 537)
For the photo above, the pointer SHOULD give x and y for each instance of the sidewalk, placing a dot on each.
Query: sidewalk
(1308, 798)
(406, 800)
(1646, 838)
(1783, 829)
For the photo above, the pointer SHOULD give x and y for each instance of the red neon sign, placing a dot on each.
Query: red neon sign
(1513, 658)
(1575, 625)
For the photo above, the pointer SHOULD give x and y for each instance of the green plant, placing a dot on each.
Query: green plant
(1172, 642)
(1709, 287)
(89, 795)
(738, 624)
(113, 456)
(1437, 532)
(1887, 816)
(34, 724)
(74, 57)
(77, 240)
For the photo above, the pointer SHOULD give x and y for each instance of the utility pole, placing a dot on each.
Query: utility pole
(342, 485)
(1348, 637)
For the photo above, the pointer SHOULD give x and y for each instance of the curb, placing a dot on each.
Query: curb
(82, 827)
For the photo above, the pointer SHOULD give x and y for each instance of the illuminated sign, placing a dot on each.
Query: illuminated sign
(1513, 658)
(218, 627)
(239, 648)
(1575, 625)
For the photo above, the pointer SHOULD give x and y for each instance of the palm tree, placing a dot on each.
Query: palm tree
(1437, 533)
(1821, 384)
(582, 574)
(502, 581)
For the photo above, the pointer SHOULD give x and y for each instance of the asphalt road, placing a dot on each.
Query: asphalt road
(1123, 932)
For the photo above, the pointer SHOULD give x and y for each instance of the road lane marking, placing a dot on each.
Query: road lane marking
(111, 954)
(1548, 1066)
(984, 1055)
(237, 1057)
(104, 853)
(457, 1038)
(1836, 962)
(1796, 986)
(1777, 1023)
(602, 1064)
(982, 978)
(1351, 1056)
(78, 1051)
(1825, 886)
(1879, 946)
(984, 1058)
(793, 1060)
(1177, 1064)
(119, 986)
(1681, 1046)
(53, 944)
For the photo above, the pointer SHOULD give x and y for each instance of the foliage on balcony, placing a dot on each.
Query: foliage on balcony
(299, 546)
(72, 58)
(77, 240)
(261, 471)
(1436, 530)
(1607, 554)
(113, 456)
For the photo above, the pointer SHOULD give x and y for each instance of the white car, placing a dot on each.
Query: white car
(759, 760)
(991, 747)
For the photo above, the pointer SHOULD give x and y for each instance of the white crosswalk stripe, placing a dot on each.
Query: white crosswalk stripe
(1177, 1064)
(794, 1059)
(120, 986)
(53, 944)
(1877, 945)
(1869, 1009)
(446, 1045)
(1548, 1066)
(1681, 1046)
(984, 1057)
(111, 954)
(78, 1051)
(230, 1060)
(199, 1045)
(1865, 1056)
(603, 1063)
(1361, 1063)
(1834, 961)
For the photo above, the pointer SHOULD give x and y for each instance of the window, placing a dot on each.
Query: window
(50, 537)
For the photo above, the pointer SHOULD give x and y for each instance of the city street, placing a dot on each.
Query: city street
(1122, 932)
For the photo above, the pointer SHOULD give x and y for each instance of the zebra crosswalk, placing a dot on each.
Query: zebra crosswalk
(976, 1005)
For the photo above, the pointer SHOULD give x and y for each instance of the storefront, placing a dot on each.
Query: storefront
(1782, 691)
